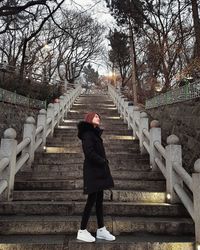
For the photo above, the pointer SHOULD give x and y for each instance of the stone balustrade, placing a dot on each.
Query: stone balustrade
(180, 185)
(14, 156)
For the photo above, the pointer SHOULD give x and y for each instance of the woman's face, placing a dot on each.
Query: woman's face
(96, 120)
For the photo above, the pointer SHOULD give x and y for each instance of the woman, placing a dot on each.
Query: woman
(96, 175)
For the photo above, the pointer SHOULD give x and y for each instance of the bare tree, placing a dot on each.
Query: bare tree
(79, 44)
(196, 19)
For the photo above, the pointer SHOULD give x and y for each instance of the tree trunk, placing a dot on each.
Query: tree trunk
(132, 52)
(196, 20)
(22, 65)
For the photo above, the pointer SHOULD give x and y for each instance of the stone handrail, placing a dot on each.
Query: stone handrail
(14, 156)
(166, 159)
(184, 93)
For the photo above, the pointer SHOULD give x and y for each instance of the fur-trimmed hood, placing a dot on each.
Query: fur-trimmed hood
(85, 126)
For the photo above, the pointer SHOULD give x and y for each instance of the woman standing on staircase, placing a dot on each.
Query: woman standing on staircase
(96, 176)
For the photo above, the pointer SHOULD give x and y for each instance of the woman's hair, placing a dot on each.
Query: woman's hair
(89, 116)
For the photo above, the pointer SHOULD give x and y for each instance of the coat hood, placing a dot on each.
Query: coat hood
(84, 127)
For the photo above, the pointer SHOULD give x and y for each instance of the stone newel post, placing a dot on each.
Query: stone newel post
(173, 156)
(42, 121)
(121, 107)
(144, 124)
(50, 114)
(8, 150)
(136, 117)
(57, 109)
(29, 132)
(66, 109)
(119, 98)
(155, 136)
(130, 111)
(125, 110)
(196, 199)
(62, 104)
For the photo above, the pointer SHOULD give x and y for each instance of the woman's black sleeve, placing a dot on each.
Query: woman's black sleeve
(88, 149)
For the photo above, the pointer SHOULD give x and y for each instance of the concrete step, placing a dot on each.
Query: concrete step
(63, 242)
(65, 174)
(66, 184)
(113, 208)
(77, 195)
(117, 225)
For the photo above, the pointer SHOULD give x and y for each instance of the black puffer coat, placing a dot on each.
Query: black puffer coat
(96, 172)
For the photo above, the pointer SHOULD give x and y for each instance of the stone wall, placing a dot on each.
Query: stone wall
(183, 120)
(14, 117)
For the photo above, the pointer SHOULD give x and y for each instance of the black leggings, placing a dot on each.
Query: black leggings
(92, 198)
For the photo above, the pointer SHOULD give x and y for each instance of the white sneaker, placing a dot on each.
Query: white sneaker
(104, 234)
(84, 235)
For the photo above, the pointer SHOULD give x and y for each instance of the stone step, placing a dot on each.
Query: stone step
(128, 135)
(95, 106)
(107, 120)
(106, 136)
(138, 242)
(65, 174)
(111, 140)
(66, 184)
(84, 110)
(115, 165)
(67, 148)
(117, 225)
(116, 161)
(65, 242)
(114, 155)
(78, 150)
(99, 106)
(66, 127)
(76, 208)
(80, 116)
(93, 101)
(33, 242)
(77, 195)
(111, 131)
(89, 97)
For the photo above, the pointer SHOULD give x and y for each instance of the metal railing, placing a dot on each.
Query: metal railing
(14, 156)
(180, 185)
(185, 93)
(14, 98)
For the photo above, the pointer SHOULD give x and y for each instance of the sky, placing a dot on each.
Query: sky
(97, 8)
(99, 11)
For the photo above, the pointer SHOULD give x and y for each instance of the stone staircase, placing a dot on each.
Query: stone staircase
(48, 201)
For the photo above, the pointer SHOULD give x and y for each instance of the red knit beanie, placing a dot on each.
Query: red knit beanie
(89, 116)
